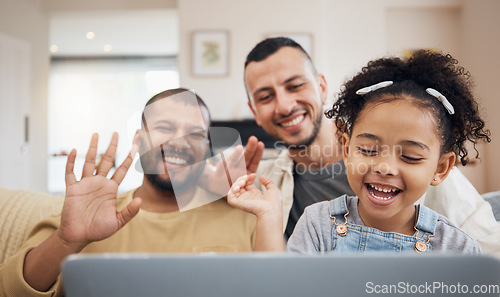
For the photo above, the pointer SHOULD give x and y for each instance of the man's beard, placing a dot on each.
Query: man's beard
(306, 142)
(164, 185)
(156, 175)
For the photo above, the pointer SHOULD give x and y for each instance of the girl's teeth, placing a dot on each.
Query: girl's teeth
(293, 122)
(383, 190)
(381, 198)
(394, 192)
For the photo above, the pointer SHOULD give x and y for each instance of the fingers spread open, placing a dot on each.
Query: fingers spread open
(235, 157)
(254, 156)
(250, 149)
(136, 142)
(129, 212)
(108, 159)
(89, 166)
(123, 169)
(70, 165)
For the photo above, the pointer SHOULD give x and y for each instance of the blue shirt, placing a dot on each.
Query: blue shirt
(317, 232)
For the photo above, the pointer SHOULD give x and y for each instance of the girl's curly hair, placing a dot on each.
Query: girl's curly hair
(411, 77)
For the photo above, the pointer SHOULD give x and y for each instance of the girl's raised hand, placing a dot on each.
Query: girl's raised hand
(266, 206)
(245, 196)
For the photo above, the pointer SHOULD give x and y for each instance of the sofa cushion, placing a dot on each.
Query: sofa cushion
(20, 211)
(494, 199)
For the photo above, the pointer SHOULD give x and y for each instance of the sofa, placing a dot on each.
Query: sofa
(20, 211)
(494, 199)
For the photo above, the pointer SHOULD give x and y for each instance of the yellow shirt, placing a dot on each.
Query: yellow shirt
(214, 227)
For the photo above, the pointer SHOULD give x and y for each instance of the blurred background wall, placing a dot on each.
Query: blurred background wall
(344, 35)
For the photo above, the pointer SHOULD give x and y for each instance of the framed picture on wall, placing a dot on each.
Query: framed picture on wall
(304, 39)
(210, 53)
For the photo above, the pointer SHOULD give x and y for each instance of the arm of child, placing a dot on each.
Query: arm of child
(266, 206)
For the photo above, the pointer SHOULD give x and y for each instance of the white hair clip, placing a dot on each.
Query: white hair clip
(441, 99)
(374, 87)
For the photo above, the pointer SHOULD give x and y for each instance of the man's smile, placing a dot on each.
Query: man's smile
(293, 122)
(175, 160)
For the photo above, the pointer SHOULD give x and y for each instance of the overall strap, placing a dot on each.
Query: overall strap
(338, 206)
(427, 219)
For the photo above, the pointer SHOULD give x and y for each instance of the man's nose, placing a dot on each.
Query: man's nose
(285, 103)
(180, 141)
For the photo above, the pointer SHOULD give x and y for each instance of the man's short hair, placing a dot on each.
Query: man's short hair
(170, 93)
(269, 46)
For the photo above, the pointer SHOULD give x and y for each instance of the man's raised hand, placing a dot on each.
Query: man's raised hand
(253, 154)
(89, 212)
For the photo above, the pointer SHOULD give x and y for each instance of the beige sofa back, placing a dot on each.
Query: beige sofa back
(20, 211)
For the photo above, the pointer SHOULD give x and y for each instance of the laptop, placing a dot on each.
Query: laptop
(279, 275)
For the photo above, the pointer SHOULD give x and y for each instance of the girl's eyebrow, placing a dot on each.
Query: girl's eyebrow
(368, 136)
(403, 143)
(415, 143)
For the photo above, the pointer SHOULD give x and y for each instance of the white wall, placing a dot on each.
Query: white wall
(77, 5)
(481, 47)
(26, 20)
(346, 35)
(247, 22)
(362, 30)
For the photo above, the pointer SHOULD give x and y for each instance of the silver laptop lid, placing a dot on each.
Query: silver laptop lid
(283, 275)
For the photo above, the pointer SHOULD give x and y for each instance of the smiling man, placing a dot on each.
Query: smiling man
(295, 119)
(286, 95)
(159, 216)
(174, 149)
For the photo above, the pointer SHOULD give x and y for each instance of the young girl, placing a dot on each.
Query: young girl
(403, 124)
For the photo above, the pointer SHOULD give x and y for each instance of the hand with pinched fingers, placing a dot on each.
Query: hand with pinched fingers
(215, 177)
(89, 212)
(238, 163)
(266, 206)
(246, 196)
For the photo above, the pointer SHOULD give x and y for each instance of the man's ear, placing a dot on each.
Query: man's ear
(445, 164)
(137, 136)
(141, 140)
(254, 113)
(344, 140)
(323, 88)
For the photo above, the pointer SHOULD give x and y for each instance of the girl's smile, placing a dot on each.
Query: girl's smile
(392, 156)
(382, 194)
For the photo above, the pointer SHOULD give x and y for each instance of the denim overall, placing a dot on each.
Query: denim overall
(360, 238)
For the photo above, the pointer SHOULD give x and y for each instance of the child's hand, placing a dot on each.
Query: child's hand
(267, 206)
(245, 196)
